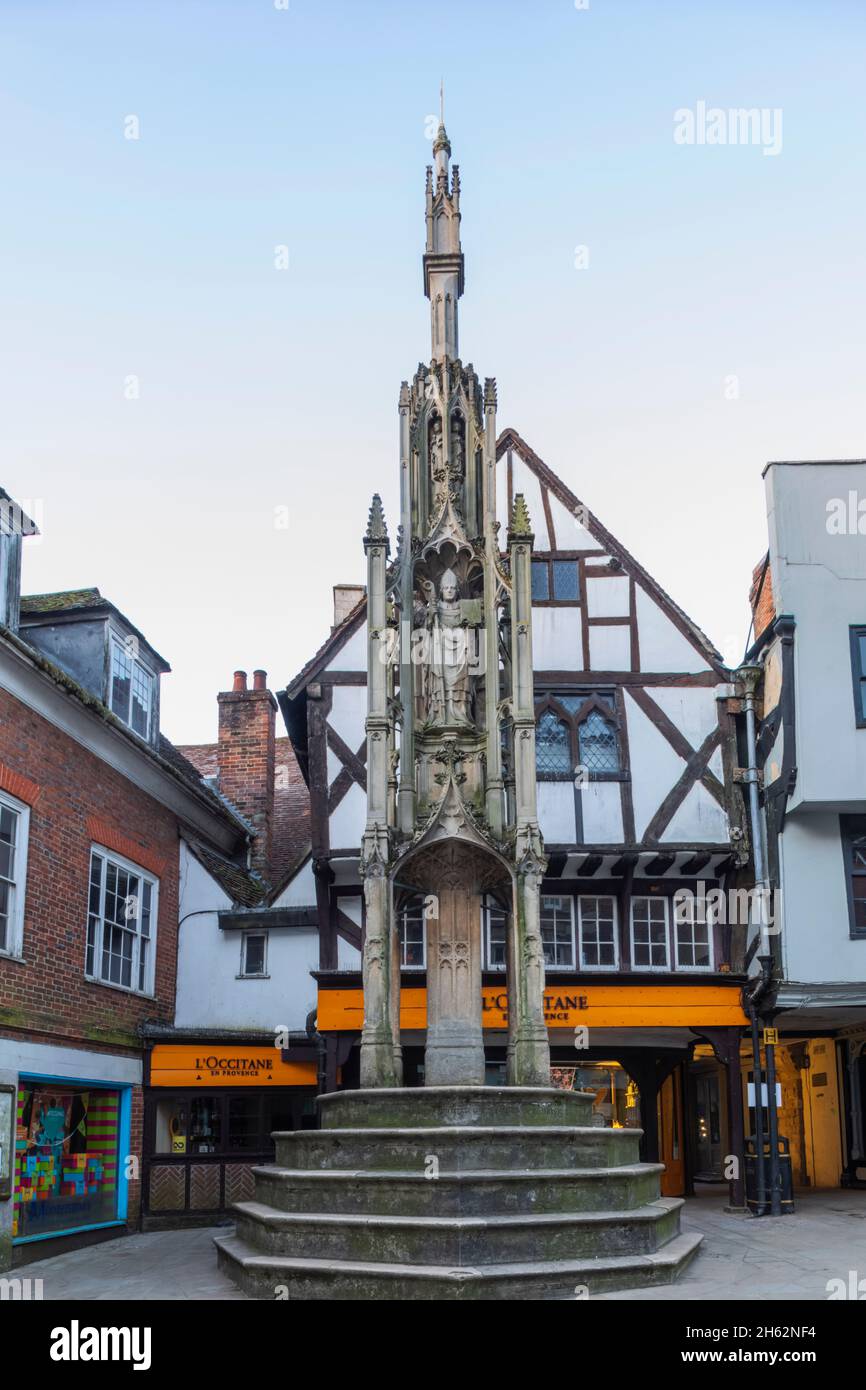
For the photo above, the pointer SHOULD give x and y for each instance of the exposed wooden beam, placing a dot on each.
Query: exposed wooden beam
(591, 864)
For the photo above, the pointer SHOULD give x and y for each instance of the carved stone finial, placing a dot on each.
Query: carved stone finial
(442, 142)
(404, 396)
(520, 524)
(490, 393)
(377, 531)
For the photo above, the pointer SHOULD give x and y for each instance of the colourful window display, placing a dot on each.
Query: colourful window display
(66, 1158)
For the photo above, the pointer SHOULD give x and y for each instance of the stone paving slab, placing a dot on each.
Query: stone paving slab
(741, 1259)
(745, 1259)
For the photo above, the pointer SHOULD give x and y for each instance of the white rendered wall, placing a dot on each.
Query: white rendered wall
(556, 812)
(601, 806)
(816, 944)
(556, 639)
(209, 993)
(662, 646)
(819, 578)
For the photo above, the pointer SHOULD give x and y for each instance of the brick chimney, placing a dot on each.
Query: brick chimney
(346, 596)
(245, 752)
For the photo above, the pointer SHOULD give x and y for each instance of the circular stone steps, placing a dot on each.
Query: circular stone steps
(440, 1240)
(479, 1192)
(276, 1277)
(459, 1148)
(464, 1106)
(455, 1193)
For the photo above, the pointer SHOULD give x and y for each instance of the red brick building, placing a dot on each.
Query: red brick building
(94, 806)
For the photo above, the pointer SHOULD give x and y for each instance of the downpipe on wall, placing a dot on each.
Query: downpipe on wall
(753, 994)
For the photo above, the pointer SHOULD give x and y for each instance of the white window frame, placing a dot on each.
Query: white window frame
(245, 974)
(401, 937)
(569, 898)
(488, 907)
(130, 867)
(122, 640)
(596, 897)
(651, 969)
(14, 948)
(710, 923)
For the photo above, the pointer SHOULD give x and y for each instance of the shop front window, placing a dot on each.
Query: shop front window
(66, 1158)
(616, 1100)
(245, 1124)
(171, 1127)
(205, 1125)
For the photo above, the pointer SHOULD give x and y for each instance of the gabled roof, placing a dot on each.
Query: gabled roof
(339, 636)
(510, 439)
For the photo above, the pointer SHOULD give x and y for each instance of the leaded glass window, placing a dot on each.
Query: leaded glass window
(578, 731)
(597, 743)
(552, 745)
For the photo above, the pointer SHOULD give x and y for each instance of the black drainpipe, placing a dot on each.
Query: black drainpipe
(321, 1066)
(751, 997)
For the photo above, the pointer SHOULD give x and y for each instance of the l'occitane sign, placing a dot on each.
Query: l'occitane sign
(227, 1064)
(565, 1006)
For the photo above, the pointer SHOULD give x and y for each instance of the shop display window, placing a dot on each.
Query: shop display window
(66, 1158)
(217, 1123)
(616, 1098)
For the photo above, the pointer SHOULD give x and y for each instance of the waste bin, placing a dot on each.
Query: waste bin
(784, 1181)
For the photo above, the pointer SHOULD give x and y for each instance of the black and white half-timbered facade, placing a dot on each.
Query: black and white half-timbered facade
(642, 817)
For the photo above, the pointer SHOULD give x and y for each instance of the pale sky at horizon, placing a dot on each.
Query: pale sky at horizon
(262, 389)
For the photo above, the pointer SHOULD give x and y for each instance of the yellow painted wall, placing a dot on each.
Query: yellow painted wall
(821, 1114)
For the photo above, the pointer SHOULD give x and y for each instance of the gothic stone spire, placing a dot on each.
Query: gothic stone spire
(443, 258)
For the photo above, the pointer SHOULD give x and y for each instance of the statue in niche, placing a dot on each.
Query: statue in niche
(438, 471)
(445, 687)
(458, 452)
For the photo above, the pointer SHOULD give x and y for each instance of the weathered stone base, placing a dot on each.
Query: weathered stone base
(455, 1193)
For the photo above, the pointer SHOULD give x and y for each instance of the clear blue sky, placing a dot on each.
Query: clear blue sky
(262, 389)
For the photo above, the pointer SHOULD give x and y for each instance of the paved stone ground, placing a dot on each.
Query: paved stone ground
(741, 1258)
(787, 1257)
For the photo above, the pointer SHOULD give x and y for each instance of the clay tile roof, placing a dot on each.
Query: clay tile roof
(244, 888)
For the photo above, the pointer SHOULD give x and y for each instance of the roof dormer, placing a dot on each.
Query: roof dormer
(93, 643)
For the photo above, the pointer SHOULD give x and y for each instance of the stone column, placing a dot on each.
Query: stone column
(406, 792)
(454, 1055)
(380, 1039)
(493, 797)
(528, 1046)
